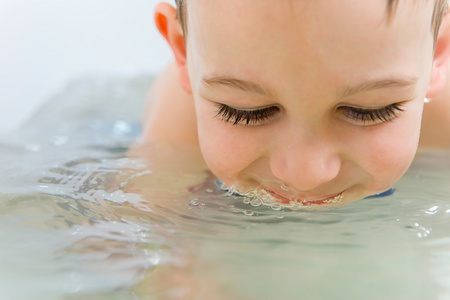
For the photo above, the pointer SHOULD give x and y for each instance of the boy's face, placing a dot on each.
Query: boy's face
(333, 93)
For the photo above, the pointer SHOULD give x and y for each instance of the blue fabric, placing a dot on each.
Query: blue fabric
(383, 194)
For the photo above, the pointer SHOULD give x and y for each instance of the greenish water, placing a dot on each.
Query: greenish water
(81, 218)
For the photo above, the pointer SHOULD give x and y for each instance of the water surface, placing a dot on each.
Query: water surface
(82, 218)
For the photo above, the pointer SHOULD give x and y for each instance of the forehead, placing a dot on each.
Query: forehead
(239, 10)
(337, 33)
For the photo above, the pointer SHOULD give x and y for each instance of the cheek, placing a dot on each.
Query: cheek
(227, 150)
(390, 151)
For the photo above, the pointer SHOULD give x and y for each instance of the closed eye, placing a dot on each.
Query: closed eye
(372, 116)
(251, 117)
(254, 117)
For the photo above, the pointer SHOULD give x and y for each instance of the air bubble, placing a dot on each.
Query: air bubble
(246, 200)
(255, 202)
(433, 210)
(210, 191)
(276, 206)
(284, 187)
(249, 213)
(194, 202)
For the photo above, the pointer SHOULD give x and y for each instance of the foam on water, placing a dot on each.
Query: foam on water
(81, 217)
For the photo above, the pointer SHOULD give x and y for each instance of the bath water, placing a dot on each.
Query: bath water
(83, 215)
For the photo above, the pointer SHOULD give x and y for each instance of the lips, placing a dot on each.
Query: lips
(263, 196)
(304, 202)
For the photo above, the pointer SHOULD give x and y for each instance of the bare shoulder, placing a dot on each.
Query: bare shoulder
(169, 114)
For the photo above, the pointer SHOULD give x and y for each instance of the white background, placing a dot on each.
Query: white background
(46, 43)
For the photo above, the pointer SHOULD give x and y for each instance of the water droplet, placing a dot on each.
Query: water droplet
(249, 213)
(432, 210)
(194, 202)
(255, 202)
(421, 231)
(276, 206)
(284, 187)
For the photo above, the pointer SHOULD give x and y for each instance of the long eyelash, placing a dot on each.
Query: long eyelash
(247, 117)
(384, 114)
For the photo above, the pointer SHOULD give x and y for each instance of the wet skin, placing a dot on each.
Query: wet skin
(306, 100)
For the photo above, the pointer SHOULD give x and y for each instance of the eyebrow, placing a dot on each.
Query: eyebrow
(365, 86)
(371, 85)
(239, 84)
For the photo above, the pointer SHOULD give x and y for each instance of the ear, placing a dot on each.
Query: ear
(441, 59)
(170, 28)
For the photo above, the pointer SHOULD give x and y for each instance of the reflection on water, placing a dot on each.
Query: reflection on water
(82, 218)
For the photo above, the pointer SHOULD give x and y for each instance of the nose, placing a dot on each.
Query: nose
(305, 164)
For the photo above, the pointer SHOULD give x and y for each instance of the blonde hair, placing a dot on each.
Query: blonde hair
(439, 11)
